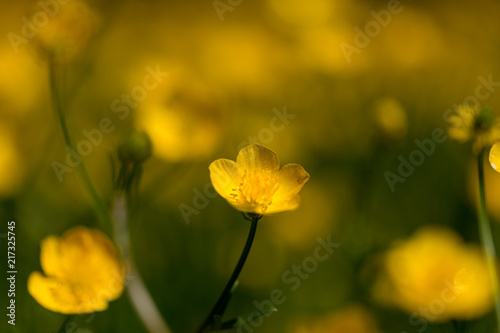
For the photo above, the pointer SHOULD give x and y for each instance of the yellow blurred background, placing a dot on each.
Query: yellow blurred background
(344, 88)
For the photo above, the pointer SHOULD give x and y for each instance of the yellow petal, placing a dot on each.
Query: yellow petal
(50, 257)
(283, 204)
(224, 176)
(291, 178)
(247, 207)
(61, 297)
(257, 157)
(495, 156)
(41, 288)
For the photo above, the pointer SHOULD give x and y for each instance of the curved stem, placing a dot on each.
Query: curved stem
(98, 204)
(486, 236)
(220, 306)
(138, 293)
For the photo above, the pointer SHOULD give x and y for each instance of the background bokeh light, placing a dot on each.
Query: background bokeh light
(349, 120)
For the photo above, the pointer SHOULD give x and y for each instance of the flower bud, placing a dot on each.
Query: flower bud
(136, 148)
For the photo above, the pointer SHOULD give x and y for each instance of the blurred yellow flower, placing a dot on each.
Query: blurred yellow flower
(21, 84)
(237, 58)
(352, 319)
(391, 118)
(68, 30)
(255, 184)
(83, 273)
(183, 117)
(478, 124)
(435, 276)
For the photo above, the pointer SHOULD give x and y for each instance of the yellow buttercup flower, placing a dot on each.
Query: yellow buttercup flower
(82, 272)
(478, 124)
(255, 184)
(436, 276)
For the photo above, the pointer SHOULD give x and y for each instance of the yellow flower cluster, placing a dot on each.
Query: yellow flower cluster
(435, 276)
(255, 183)
(82, 272)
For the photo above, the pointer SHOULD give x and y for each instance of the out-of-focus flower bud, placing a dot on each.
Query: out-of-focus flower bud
(136, 148)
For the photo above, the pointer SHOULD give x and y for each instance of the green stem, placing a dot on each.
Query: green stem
(219, 307)
(98, 203)
(64, 325)
(138, 293)
(486, 236)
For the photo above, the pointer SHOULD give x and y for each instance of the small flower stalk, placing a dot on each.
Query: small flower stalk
(481, 126)
(133, 151)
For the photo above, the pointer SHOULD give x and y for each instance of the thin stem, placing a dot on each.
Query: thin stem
(219, 307)
(98, 204)
(486, 236)
(64, 325)
(138, 293)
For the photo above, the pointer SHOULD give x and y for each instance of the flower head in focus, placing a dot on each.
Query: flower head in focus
(255, 183)
(474, 123)
(437, 276)
(82, 272)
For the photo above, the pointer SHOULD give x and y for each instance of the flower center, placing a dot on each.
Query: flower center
(484, 121)
(256, 189)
